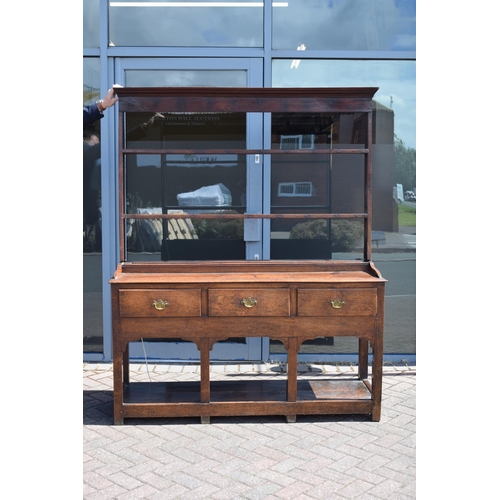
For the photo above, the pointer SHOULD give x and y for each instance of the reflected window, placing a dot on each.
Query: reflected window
(377, 25)
(203, 23)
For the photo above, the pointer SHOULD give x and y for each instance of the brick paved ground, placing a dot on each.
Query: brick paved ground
(325, 457)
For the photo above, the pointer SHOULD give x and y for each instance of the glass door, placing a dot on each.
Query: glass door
(195, 183)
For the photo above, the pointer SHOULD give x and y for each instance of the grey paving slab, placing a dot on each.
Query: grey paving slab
(317, 457)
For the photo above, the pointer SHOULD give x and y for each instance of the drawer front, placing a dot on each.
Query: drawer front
(337, 302)
(249, 302)
(161, 303)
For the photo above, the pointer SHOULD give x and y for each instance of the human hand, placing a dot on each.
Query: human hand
(109, 99)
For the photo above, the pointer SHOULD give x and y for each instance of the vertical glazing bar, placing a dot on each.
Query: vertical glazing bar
(368, 191)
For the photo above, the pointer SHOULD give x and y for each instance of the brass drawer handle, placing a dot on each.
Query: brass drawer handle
(248, 302)
(160, 304)
(337, 303)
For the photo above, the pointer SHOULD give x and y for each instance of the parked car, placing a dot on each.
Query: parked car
(410, 196)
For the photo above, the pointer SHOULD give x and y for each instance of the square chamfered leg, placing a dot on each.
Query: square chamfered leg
(118, 382)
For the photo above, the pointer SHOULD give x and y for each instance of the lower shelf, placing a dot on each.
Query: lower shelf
(244, 398)
(246, 390)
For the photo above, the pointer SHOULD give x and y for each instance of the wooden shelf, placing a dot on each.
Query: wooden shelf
(250, 398)
(245, 391)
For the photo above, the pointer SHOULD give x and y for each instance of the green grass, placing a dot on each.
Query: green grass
(407, 216)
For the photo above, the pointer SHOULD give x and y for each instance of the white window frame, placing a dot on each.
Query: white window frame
(296, 188)
(297, 141)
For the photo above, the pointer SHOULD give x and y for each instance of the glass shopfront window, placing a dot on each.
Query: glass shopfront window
(376, 25)
(186, 24)
(396, 81)
(92, 232)
(393, 162)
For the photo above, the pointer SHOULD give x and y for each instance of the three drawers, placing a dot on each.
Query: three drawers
(158, 303)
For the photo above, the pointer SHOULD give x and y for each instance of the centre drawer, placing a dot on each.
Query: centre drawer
(160, 303)
(249, 302)
(337, 302)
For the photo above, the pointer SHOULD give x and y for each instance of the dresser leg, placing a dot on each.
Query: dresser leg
(118, 385)
(377, 377)
(291, 419)
(126, 365)
(204, 371)
(363, 359)
(205, 420)
(292, 353)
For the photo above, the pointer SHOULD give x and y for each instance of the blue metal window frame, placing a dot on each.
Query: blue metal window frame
(107, 56)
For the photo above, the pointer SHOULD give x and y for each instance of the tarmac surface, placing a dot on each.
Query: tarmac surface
(254, 458)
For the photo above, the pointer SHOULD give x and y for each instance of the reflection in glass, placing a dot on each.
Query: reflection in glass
(90, 24)
(92, 233)
(318, 130)
(323, 239)
(396, 81)
(378, 25)
(185, 130)
(170, 24)
(394, 117)
(192, 183)
(317, 183)
(320, 345)
(394, 131)
(189, 182)
(91, 86)
(185, 78)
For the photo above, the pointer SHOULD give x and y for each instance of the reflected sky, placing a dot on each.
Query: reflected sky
(346, 25)
(396, 81)
(377, 25)
(186, 24)
(185, 78)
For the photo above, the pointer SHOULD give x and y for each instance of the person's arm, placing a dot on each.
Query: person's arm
(91, 114)
(94, 112)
